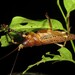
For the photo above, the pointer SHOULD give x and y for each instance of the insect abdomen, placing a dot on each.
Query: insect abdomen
(46, 38)
(58, 39)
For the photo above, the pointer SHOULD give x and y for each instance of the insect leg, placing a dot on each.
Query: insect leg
(19, 34)
(49, 20)
(60, 45)
(12, 40)
(68, 28)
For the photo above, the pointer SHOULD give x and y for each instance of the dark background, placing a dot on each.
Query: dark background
(34, 9)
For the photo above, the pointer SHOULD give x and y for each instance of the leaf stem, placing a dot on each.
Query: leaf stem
(73, 46)
(58, 3)
(65, 17)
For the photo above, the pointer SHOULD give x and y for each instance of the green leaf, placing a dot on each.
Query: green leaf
(22, 24)
(5, 39)
(69, 5)
(45, 59)
(65, 54)
(57, 58)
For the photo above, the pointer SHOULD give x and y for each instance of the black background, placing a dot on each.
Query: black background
(34, 9)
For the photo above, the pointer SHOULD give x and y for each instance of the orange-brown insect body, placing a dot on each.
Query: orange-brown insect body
(44, 37)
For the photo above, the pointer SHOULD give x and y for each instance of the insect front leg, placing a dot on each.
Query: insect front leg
(17, 38)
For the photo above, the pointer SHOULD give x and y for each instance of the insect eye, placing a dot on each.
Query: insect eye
(24, 23)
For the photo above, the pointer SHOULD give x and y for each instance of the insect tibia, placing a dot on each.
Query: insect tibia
(50, 24)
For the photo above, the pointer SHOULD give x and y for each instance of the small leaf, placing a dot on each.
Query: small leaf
(48, 53)
(5, 39)
(69, 5)
(65, 54)
(45, 59)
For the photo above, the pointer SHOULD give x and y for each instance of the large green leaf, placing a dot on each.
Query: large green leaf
(21, 24)
(69, 5)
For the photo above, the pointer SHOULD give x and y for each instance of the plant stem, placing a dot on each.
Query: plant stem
(61, 10)
(67, 22)
(73, 46)
(65, 17)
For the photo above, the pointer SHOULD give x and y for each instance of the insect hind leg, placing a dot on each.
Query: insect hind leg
(68, 28)
(46, 15)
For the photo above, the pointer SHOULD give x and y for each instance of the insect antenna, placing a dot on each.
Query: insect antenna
(14, 63)
(9, 53)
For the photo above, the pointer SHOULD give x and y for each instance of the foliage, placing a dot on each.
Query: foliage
(21, 24)
(65, 55)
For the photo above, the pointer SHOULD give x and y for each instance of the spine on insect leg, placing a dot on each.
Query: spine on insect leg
(37, 39)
